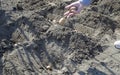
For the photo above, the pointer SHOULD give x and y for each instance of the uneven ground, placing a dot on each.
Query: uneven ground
(30, 42)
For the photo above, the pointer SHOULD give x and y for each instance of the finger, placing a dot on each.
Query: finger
(66, 13)
(74, 11)
(70, 14)
(76, 4)
(71, 5)
(73, 8)
(68, 6)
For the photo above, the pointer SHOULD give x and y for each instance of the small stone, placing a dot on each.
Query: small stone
(19, 7)
(49, 67)
(15, 45)
(54, 21)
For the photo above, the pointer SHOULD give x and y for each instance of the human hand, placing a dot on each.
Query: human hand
(71, 11)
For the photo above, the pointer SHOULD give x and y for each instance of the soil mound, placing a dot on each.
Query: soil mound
(31, 44)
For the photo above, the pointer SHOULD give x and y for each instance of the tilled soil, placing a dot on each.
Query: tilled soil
(32, 44)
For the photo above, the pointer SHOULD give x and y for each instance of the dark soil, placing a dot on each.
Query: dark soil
(30, 41)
